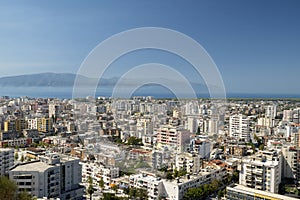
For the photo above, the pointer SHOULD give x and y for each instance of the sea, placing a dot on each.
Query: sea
(67, 93)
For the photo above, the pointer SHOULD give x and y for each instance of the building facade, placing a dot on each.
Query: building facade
(239, 127)
(262, 171)
(51, 176)
(6, 160)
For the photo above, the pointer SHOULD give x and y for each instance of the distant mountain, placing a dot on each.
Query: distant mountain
(67, 80)
(43, 79)
(62, 82)
(49, 80)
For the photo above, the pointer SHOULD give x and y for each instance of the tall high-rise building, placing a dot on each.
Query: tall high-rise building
(239, 127)
(53, 110)
(44, 124)
(271, 111)
(291, 165)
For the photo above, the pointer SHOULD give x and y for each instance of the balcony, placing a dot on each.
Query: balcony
(258, 172)
(259, 187)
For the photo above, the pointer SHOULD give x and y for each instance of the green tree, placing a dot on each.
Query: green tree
(194, 194)
(16, 156)
(261, 147)
(138, 194)
(114, 188)
(134, 141)
(142, 194)
(221, 194)
(101, 183)
(169, 176)
(181, 172)
(24, 196)
(215, 184)
(132, 192)
(90, 189)
(175, 173)
(22, 158)
(8, 189)
(109, 196)
(207, 188)
(235, 176)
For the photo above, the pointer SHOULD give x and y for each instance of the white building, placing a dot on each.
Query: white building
(191, 163)
(201, 147)
(51, 176)
(98, 171)
(161, 158)
(175, 189)
(291, 166)
(271, 111)
(6, 160)
(262, 171)
(153, 185)
(144, 126)
(53, 110)
(239, 127)
(157, 159)
(193, 122)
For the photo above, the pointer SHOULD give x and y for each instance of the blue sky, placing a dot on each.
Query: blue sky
(255, 44)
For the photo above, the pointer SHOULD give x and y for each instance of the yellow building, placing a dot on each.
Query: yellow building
(44, 124)
(17, 125)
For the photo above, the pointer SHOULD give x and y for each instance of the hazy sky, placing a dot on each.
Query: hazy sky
(254, 43)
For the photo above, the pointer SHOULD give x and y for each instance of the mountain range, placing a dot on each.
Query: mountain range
(49, 80)
(65, 80)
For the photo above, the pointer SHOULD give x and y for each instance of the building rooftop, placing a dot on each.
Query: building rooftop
(5, 149)
(260, 193)
(33, 166)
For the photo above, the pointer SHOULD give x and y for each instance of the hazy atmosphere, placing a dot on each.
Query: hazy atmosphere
(255, 44)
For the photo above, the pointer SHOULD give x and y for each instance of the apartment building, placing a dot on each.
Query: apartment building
(98, 171)
(175, 189)
(201, 147)
(239, 127)
(152, 184)
(52, 176)
(6, 160)
(262, 171)
(291, 165)
(17, 125)
(41, 124)
(175, 137)
(19, 142)
(191, 163)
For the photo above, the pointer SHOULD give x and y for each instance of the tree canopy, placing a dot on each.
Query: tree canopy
(9, 190)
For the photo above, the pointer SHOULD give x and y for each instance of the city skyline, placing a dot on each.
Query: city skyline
(255, 45)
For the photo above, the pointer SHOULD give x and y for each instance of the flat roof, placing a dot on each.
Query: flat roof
(6, 149)
(253, 191)
(35, 166)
